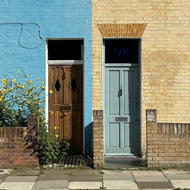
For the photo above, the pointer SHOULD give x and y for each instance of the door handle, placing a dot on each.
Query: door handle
(120, 92)
(65, 114)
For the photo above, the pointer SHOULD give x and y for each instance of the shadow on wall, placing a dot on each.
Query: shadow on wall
(32, 136)
(88, 138)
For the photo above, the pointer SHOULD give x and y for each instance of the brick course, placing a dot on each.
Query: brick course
(165, 54)
(167, 143)
(122, 30)
(98, 139)
(18, 145)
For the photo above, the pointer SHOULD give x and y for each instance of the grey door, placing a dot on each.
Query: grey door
(122, 110)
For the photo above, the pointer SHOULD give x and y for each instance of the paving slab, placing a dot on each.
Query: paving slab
(175, 172)
(27, 172)
(21, 179)
(181, 183)
(54, 175)
(178, 177)
(3, 177)
(149, 176)
(86, 176)
(154, 185)
(120, 184)
(117, 174)
(123, 175)
(56, 184)
(118, 177)
(17, 185)
(85, 185)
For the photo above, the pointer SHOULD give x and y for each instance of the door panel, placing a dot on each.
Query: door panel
(122, 129)
(66, 104)
(114, 135)
(114, 99)
(129, 92)
(129, 135)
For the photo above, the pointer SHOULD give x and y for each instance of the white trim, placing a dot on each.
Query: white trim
(82, 56)
(65, 62)
(103, 90)
(64, 39)
(46, 82)
(139, 65)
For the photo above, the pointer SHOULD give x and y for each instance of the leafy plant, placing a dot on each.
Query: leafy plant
(51, 150)
(21, 100)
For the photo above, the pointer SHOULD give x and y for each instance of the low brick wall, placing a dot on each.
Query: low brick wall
(18, 145)
(98, 139)
(168, 144)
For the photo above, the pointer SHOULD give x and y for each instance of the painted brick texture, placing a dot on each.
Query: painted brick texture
(167, 143)
(165, 54)
(26, 25)
(18, 145)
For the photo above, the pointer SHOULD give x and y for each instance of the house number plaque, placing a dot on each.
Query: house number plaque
(121, 119)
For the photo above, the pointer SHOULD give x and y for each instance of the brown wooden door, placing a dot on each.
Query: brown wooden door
(66, 104)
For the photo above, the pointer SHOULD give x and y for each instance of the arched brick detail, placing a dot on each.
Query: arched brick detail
(122, 30)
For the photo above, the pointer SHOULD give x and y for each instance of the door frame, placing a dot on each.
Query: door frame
(64, 62)
(140, 88)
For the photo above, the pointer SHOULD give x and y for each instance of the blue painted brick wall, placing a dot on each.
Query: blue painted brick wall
(24, 27)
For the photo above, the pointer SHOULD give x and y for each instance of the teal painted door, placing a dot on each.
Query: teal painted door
(122, 129)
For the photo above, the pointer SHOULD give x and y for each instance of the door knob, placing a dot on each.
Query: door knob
(120, 92)
(65, 114)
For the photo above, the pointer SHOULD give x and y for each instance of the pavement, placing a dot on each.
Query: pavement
(64, 179)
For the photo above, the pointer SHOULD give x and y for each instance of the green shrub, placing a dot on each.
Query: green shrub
(20, 100)
(51, 150)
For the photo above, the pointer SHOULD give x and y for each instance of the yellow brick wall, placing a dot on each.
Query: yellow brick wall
(165, 54)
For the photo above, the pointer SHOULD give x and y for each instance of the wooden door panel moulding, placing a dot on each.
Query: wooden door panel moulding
(135, 30)
(66, 104)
